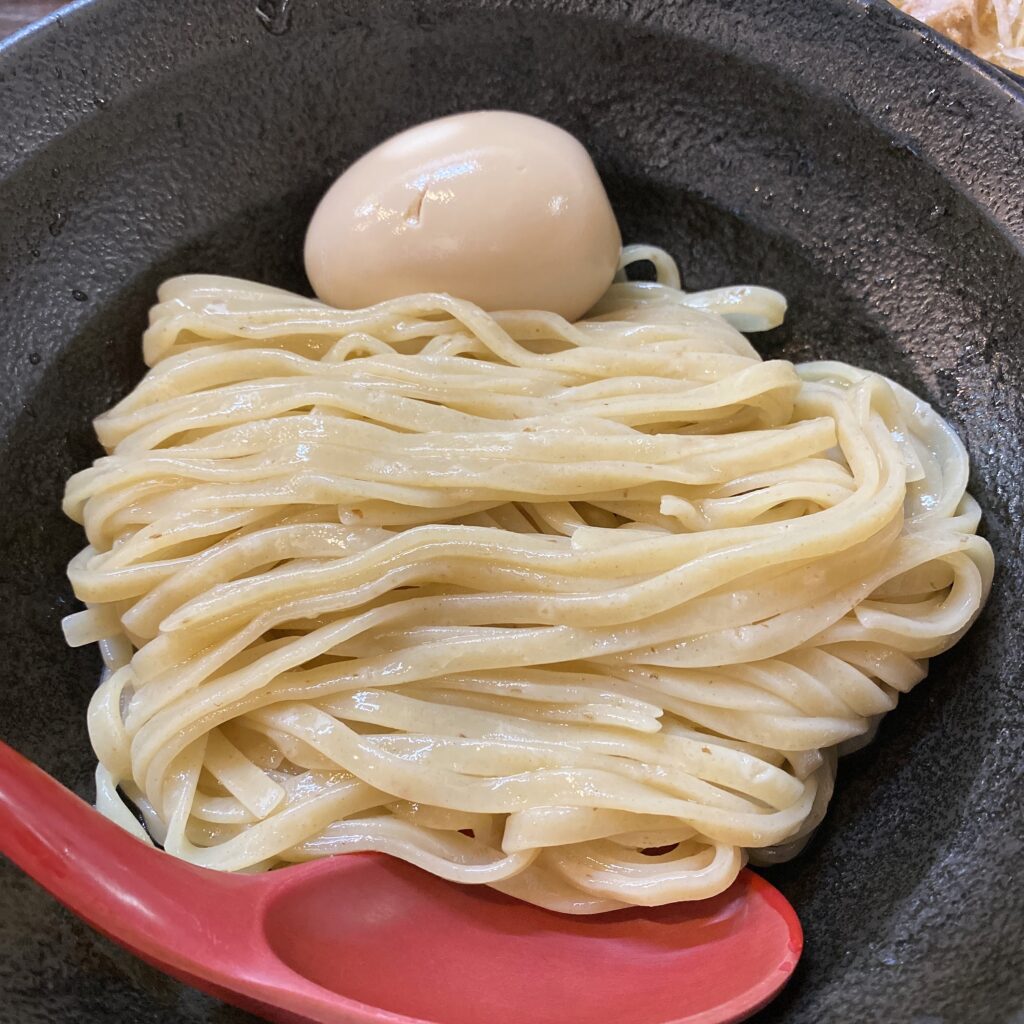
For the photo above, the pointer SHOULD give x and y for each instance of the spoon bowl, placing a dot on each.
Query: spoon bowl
(366, 939)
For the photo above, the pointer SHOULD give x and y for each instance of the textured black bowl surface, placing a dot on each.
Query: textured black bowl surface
(829, 148)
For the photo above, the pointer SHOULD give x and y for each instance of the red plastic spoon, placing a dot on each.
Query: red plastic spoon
(365, 939)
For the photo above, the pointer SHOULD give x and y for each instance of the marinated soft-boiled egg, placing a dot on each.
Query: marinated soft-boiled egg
(502, 209)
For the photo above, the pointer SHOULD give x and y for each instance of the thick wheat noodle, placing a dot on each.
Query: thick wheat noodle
(583, 612)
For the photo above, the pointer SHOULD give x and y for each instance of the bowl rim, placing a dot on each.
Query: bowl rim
(1010, 81)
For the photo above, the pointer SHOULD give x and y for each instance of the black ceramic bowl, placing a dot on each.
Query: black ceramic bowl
(828, 148)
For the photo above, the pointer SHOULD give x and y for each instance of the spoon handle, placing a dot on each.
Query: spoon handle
(203, 927)
(122, 887)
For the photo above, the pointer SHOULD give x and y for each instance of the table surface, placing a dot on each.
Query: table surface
(15, 14)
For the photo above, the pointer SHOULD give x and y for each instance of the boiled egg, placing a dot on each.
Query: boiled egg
(501, 209)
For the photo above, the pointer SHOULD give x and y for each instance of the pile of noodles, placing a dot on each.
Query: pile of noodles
(583, 612)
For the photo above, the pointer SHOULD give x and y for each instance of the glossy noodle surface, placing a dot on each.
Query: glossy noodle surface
(584, 612)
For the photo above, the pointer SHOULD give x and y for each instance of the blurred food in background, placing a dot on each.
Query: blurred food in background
(993, 29)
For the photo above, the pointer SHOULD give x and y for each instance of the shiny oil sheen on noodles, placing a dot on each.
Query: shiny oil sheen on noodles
(581, 612)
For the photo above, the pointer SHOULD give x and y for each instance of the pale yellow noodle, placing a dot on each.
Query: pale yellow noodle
(582, 612)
